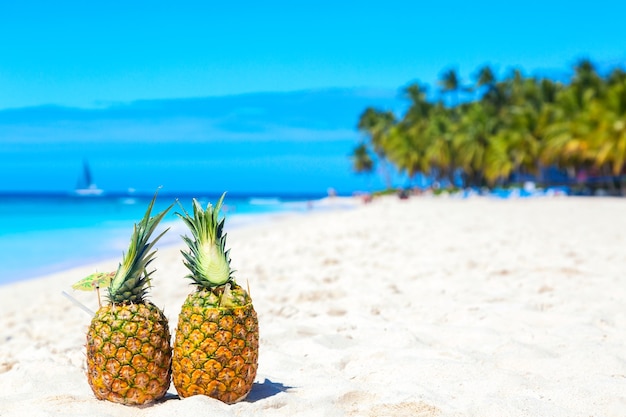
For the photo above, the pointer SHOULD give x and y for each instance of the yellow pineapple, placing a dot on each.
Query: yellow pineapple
(128, 342)
(216, 347)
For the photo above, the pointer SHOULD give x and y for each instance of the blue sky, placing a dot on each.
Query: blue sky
(102, 55)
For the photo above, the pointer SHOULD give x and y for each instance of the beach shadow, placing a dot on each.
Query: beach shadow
(265, 389)
(169, 396)
(259, 391)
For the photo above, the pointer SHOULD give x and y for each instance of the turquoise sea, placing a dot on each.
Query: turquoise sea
(43, 234)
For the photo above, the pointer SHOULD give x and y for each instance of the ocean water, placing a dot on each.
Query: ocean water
(43, 234)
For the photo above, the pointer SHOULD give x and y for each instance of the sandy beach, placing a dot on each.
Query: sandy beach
(424, 307)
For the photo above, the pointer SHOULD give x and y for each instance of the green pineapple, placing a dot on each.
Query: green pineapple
(128, 342)
(216, 346)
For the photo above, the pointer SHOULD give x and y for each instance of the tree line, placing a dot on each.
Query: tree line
(508, 129)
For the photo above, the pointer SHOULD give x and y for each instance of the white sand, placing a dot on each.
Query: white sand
(426, 307)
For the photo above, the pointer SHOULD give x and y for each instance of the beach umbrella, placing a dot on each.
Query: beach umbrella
(94, 282)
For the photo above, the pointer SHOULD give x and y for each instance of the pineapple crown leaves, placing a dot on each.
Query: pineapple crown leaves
(207, 258)
(132, 279)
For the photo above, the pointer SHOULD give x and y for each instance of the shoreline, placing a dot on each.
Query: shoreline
(113, 235)
(425, 306)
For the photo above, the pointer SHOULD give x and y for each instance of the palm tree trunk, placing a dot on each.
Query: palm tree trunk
(386, 173)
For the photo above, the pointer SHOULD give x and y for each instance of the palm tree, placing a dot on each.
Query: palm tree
(485, 77)
(586, 83)
(362, 161)
(484, 80)
(405, 149)
(439, 151)
(419, 108)
(608, 137)
(450, 83)
(497, 164)
(471, 138)
(408, 140)
(376, 124)
(523, 131)
(617, 76)
(567, 138)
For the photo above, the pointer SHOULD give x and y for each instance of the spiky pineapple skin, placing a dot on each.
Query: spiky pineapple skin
(216, 348)
(128, 353)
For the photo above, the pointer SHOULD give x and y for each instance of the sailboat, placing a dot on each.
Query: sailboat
(85, 185)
